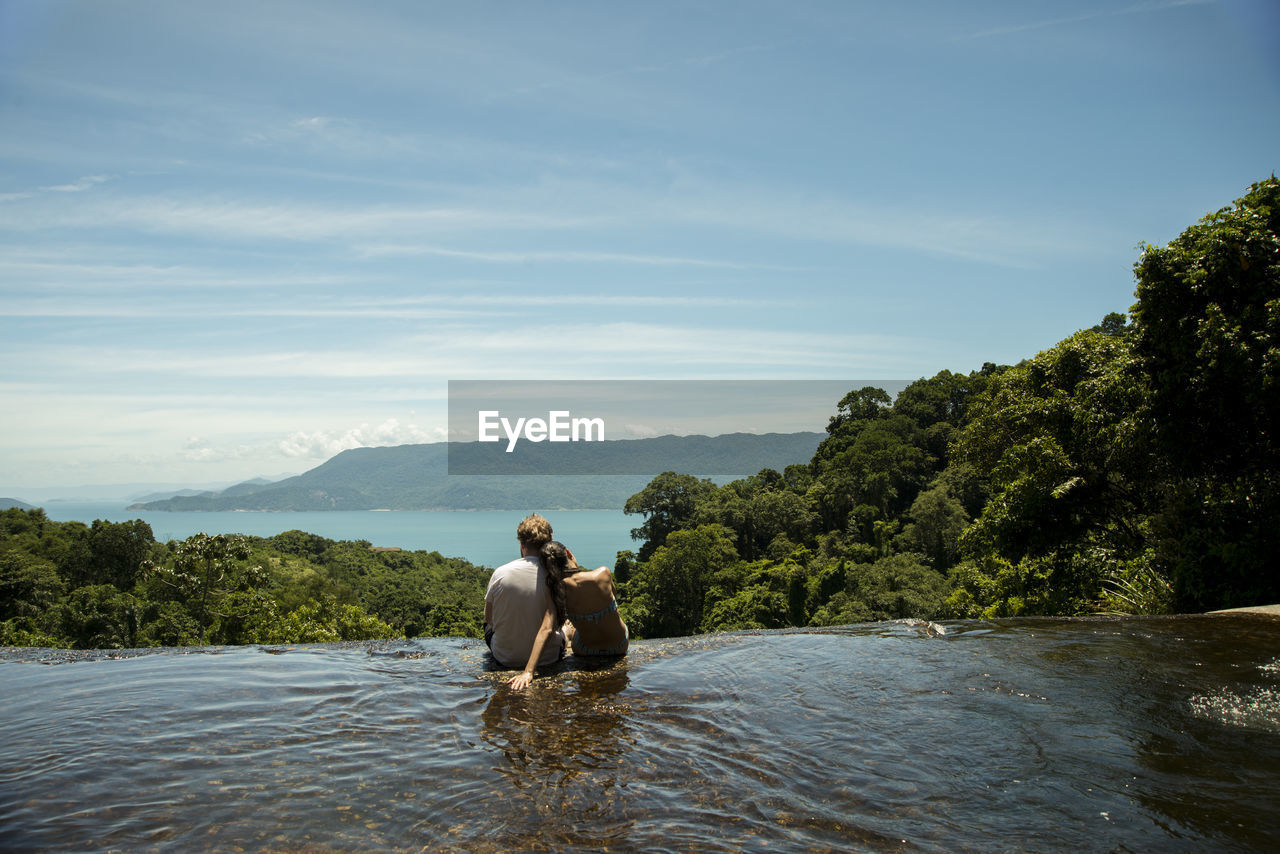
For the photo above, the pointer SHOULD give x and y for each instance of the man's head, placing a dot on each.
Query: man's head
(533, 532)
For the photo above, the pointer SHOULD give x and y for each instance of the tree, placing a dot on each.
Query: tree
(100, 617)
(765, 594)
(668, 503)
(869, 470)
(757, 606)
(167, 624)
(300, 543)
(117, 551)
(1207, 335)
(892, 588)
(1114, 324)
(211, 576)
(865, 404)
(670, 590)
(29, 586)
(1064, 440)
(758, 509)
(323, 622)
(934, 525)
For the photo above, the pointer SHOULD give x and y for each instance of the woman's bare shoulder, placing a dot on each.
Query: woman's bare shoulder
(593, 577)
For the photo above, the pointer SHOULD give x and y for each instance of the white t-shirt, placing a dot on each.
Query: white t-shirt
(518, 596)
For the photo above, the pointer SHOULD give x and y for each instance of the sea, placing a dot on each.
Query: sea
(483, 537)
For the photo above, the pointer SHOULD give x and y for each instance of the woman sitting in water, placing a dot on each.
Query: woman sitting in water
(585, 599)
(595, 627)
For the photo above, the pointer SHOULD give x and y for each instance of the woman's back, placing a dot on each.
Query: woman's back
(593, 610)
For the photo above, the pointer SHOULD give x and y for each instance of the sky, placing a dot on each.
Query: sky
(237, 238)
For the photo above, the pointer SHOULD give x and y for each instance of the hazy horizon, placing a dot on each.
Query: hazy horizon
(131, 491)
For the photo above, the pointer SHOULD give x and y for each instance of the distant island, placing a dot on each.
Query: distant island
(7, 503)
(416, 477)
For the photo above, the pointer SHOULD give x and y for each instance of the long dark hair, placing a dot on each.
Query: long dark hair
(555, 559)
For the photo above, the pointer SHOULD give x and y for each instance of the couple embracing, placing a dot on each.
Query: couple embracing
(538, 606)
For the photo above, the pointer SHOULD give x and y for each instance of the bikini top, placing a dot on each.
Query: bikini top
(597, 616)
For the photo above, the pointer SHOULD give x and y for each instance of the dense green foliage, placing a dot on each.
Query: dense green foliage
(1208, 337)
(112, 586)
(1133, 467)
(868, 530)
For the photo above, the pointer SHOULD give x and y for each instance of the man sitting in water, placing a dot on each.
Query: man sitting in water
(519, 616)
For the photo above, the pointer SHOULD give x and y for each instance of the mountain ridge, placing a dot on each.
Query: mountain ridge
(416, 477)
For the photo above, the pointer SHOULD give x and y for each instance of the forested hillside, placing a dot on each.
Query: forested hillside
(1133, 467)
(111, 585)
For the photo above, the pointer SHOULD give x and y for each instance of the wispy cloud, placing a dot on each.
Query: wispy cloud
(322, 444)
(295, 364)
(23, 269)
(163, 296)
(242, 220)
(615, 300)
(639, 348)
(109, 307)
(1136, 9)
(567, 256)
(752, 348)
(431, 356)
(336, 135)
(313, 445)
(79, 186)
(461, 222)
(594, 84)
(86, 183)
(983, 236)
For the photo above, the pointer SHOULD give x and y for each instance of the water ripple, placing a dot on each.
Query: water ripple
(1002, 736)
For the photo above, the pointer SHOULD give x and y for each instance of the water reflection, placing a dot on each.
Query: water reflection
(560, 749)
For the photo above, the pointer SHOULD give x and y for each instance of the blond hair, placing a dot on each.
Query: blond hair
(533, 531)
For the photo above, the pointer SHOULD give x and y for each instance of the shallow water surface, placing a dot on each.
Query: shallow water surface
(1152, 734)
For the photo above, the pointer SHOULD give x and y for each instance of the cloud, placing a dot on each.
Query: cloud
(1136, 9)
(86, 183)
(984, 236)
(786, 214)
(482, 224)
(608, 300)
(568, 256)
(715, 349)
(207, 454)
(54, 269)
(211, 217)
(294, 364)
(323, 445)
(457, 351)
(641, 431)
(333, 134)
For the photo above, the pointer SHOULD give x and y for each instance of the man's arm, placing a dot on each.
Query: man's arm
(521, 681)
